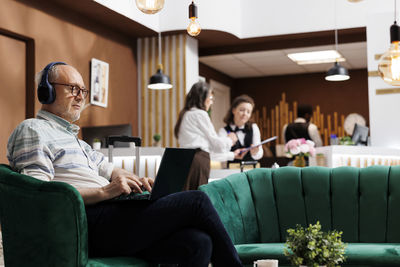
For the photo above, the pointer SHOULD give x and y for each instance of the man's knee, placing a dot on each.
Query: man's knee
(201, 244)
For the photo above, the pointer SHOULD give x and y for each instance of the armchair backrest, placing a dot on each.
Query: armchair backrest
(261, 204)
(43, 223)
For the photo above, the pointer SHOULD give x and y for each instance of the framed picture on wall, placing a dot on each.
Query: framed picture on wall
(99, 82)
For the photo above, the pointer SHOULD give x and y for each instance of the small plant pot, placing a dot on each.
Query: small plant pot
(96, 145)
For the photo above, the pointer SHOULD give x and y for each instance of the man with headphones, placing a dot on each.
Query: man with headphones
(181, 228)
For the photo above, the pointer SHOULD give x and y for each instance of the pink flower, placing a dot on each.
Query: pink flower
(299, 146)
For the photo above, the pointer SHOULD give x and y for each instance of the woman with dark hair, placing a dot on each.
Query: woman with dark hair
(195, 130)
(238, 121)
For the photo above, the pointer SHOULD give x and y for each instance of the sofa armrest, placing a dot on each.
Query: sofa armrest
(43, 223)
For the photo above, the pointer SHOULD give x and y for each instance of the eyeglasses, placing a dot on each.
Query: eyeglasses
(75, 90)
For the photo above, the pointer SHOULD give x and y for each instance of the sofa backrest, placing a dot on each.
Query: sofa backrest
(261, 204)
(43, 223)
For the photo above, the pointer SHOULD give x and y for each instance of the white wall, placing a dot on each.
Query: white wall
(192, 62)
(254, 18)
(384, 110)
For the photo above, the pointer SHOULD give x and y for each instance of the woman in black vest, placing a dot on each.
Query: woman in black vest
(238, 121)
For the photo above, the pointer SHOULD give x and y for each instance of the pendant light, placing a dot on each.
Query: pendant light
(150, 6)
(389, 63)
(337, 72)
(193, 28)
(159, 81)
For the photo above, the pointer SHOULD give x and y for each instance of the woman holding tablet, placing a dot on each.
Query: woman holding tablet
(238, 121)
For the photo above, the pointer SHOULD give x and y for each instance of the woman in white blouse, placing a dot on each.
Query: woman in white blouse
(195, 130)
(238, 121)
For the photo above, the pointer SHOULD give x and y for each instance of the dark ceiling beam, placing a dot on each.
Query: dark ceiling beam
(218, 43)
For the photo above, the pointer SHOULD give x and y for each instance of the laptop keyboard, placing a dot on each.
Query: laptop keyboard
(133, 196)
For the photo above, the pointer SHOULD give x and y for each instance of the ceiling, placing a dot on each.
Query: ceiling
(276, 62)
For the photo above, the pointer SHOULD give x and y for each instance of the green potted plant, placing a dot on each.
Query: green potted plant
(312, 247)
(156, 138)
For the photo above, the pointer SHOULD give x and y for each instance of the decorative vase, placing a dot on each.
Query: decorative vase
(96, 145)
(299, 161)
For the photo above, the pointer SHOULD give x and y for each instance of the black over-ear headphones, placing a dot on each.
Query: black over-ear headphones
(46, 92)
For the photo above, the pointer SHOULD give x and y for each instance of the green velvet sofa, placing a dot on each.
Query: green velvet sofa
(258, 206)
(44, 224)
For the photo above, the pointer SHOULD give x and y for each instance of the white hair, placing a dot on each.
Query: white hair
(53, 75)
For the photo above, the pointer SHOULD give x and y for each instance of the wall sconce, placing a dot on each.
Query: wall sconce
(159, 81)
(337, 72)
(194, 28)
(389, 63)
(150, 6)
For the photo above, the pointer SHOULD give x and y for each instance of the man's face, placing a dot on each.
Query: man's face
(66, 105)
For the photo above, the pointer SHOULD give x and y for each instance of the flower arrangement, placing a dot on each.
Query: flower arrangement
(312, 247)
(299, 147)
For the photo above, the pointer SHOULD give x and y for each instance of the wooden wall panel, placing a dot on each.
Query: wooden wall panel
(58, 36)
(164, 106)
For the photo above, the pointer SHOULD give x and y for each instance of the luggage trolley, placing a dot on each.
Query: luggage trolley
(121, 138)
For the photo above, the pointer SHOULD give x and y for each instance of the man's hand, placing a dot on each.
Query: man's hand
(122, 182)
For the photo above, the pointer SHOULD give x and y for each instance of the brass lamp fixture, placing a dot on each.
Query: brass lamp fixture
(337, 72)
(150, 6)
(389, 63)
(159, 81)
(193, 28)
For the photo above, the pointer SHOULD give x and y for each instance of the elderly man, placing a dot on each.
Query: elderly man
(181, 228)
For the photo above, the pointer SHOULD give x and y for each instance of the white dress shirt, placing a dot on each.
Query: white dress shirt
(312, 132)
(197, 131)
(240, 135)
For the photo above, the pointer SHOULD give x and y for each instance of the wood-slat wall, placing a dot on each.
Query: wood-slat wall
(271, 124)
(159, 109)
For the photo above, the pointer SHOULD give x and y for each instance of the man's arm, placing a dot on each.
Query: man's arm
(122, 182)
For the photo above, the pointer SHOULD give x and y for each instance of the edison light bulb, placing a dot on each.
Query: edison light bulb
(150, 6)
(194, 28)
(389, 65)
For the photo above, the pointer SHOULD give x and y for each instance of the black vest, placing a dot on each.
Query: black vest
(248, 139)
(297, 130)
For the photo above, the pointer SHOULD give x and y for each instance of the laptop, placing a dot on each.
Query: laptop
(171, 176)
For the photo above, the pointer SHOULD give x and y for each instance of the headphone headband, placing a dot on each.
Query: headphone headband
(46, 92)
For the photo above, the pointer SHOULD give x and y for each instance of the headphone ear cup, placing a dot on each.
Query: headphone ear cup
(46, 94)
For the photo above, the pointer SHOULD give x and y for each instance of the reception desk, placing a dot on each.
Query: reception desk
(150, 159)
(356, 156)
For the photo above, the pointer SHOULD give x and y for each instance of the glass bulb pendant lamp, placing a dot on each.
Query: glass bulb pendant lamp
(193, 28)
(389, 63)
(150, 6)
(159, 81)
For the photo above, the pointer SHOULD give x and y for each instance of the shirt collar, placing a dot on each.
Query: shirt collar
(233, 126)
(60, 122)
(300, 119)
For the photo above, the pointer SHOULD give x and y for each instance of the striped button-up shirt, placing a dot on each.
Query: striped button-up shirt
(48, 149)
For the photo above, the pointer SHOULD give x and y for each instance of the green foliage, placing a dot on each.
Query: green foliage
(157, 137)
(97, 140)
(312, 247)
(346, 140)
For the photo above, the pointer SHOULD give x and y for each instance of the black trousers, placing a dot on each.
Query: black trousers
(182, 228)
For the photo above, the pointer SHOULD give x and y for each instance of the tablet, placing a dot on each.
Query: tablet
(263, 142)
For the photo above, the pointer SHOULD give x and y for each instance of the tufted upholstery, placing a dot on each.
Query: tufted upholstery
(258, 206)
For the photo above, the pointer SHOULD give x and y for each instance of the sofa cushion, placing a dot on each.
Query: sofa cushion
(375, 254)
